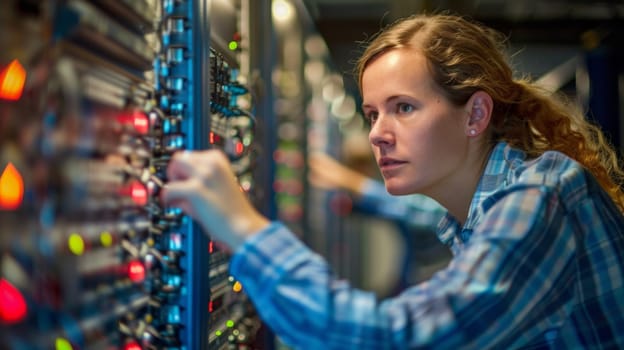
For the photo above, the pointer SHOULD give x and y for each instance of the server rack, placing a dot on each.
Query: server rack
(96, 97)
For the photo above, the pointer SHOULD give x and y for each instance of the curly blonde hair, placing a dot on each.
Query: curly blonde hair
(465, 57)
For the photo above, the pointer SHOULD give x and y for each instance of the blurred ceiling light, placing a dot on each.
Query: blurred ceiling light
(333, 88)
(282, 10)
(314, 72)
(315, 46)
(343, 108)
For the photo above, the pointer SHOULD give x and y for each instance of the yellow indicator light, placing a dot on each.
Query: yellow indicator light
(237, 287)
(76, 244)
(106, 239)
(62, 344)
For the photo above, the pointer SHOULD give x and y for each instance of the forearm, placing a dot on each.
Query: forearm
(294, 294)
(355, 183)
(297, 295)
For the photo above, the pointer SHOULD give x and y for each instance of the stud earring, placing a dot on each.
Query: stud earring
(472, 132)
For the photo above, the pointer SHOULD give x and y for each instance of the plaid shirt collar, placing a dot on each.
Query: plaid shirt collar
(497, 175)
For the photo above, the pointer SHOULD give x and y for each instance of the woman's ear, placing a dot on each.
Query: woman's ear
(479, 111)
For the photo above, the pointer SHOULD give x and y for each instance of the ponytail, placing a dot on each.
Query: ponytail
(538, 121)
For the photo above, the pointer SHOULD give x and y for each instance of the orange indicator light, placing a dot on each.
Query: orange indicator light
(11, 188)
(12, 80)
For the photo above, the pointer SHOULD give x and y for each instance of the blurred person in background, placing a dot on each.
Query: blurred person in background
(531, 189)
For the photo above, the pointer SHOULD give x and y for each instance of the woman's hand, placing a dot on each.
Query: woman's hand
(203, 184)
(327, 173)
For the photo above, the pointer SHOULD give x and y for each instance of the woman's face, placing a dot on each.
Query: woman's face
(418, 137)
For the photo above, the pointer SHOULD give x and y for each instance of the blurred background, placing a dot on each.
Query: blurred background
(95, 96)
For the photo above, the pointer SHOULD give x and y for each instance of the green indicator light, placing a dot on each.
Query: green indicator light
(233, 45)
(229, 323)
(218, 333)
(62, 344)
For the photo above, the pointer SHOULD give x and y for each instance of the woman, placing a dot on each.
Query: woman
(533, 198)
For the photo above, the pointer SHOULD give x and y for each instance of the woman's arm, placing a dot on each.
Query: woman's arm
(505, 287)
(506, 282)
(371, 196)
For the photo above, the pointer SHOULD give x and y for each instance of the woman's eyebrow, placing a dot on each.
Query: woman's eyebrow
(389, 99)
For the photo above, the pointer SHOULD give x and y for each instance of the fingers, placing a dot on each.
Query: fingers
(188, 164)
(318, 160)
(192, 174)
(180, 166)
(180, 194)
(324, 163)
(203, 184)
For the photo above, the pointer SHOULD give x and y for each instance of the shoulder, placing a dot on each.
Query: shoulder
(554, 174)
(552, 169)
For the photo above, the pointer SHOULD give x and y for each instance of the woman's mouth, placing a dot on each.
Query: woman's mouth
(388, 165)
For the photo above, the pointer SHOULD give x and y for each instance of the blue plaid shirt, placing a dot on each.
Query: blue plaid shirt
(538, 264)
(416, 210)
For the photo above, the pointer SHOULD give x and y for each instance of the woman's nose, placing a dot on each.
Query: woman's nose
(381, 132)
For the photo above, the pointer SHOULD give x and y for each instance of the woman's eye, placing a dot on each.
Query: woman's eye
(405, 108)
(371, 117)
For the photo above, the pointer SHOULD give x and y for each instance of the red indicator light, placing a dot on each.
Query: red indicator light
(136, 120)
(210, 306)
(11, 188)
(140, 122)
(215, 139)
(132, 346)
(12, 80)
(278, 156)
(136, 271)
(210, 246)
(341, 204)
(239, 148)
(12, 304)
(138, 192)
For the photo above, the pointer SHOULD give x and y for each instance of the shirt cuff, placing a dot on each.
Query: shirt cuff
(264, 257)
(372, 193)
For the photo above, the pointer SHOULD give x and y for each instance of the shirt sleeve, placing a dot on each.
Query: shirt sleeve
(413, 210)
(493, 291)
